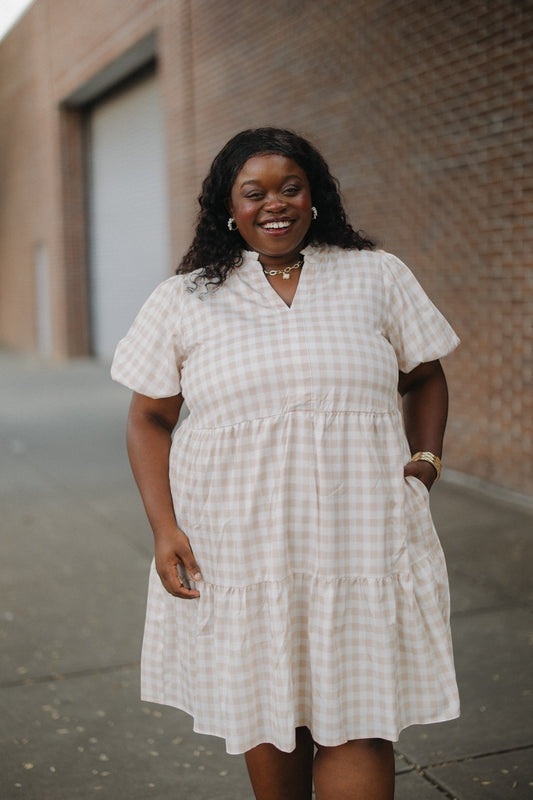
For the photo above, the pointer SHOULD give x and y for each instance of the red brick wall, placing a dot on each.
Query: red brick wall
(423, 109)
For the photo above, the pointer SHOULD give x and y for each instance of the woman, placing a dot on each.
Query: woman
(298, 602)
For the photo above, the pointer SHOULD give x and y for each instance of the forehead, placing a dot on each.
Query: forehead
(271, 166)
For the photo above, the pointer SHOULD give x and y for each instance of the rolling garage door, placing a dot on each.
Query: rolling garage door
(128, 227)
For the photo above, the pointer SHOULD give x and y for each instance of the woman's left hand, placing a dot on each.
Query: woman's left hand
(423, 471)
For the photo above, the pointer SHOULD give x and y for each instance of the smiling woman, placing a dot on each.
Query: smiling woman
(298, 598)
(271, 206)
(218, 247)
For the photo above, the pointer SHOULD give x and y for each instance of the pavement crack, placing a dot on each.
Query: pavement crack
(436, 785)
(421, 770)
(65, 676)
(488, 754)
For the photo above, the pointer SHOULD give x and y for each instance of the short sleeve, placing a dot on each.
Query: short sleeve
(149, 358)
(414, 326)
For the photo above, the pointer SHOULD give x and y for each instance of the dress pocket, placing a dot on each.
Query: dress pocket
(421, 536)
(417, 484)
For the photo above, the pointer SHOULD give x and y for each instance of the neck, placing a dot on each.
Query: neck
(273, 263)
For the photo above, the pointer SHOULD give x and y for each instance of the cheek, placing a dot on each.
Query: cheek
(304, 203)
(244, 213)
(244, 210)
(308, 199)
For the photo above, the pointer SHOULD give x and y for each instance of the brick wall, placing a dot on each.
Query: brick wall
(423, 110)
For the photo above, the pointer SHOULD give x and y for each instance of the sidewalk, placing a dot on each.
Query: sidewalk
(75, 553)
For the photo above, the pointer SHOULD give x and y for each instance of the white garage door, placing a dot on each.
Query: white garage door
(129, 248)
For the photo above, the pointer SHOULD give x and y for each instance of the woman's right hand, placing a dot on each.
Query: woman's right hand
(172, 552)
(150, 425)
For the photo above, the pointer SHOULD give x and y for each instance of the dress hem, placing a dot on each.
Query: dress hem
(366, 734)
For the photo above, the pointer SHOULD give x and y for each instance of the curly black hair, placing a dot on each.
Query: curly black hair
(216, 250)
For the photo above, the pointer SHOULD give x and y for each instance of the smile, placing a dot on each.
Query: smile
(276, 226)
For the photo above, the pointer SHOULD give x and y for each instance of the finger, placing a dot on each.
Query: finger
(187, 594)
(173, 583)
(176, 588)
(189, 562)
(194, 571)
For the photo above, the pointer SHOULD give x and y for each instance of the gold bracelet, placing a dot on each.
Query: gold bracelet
(431, 458)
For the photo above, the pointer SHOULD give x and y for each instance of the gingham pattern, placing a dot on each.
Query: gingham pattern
(325, 596)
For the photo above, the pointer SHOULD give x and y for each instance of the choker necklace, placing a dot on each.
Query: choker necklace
(286, 271)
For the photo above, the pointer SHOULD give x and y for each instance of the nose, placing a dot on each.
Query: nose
(275, 202)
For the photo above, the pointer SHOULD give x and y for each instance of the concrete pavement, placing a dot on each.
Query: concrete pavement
(75, 550)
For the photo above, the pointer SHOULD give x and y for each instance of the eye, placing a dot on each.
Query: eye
(253, 196)
(291, 190)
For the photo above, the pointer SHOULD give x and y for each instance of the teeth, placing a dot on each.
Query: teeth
(276, 225)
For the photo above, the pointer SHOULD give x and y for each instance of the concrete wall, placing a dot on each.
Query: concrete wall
(423, 110)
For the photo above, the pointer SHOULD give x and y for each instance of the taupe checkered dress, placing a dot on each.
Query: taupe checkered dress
(325, 597)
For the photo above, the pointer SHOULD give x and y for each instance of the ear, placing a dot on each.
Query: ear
(229, 206)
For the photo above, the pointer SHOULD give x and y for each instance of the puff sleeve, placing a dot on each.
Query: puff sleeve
(149, 358)
(413, 325)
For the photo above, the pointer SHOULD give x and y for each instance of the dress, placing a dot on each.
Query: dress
(324, 599)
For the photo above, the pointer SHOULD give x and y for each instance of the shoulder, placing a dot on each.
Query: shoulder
(394, 270)
(170, 288)
(377, 270)
(165, 302)
(359, 263)
(338, 255)
(177, 290)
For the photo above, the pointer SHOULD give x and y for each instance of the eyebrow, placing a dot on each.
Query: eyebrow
(286, 178)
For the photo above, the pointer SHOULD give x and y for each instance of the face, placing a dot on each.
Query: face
(271, 205)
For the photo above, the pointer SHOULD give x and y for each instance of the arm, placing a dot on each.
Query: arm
(425, 409)
(150, 426)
